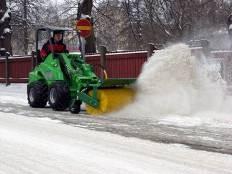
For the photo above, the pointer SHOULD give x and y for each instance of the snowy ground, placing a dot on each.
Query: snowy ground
(38, 141)
(30, 145)
(180, 122)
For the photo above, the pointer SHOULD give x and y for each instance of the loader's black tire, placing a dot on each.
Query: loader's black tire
(76, 107)
(59, 96)
(37, 94)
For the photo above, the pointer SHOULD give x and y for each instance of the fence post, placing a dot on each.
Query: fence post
(32, 60)
(205, 47)
(227, 70)
(7, 69)
(197, 52)
(103, 51)
(151, 48)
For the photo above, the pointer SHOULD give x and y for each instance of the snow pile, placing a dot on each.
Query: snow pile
(173, 82)
(14, 94)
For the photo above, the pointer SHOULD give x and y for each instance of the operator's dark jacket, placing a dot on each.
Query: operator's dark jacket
(58, 47)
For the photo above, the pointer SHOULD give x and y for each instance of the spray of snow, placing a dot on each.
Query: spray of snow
(174, 82)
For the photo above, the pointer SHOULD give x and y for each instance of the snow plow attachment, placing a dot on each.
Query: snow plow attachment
(112, 95)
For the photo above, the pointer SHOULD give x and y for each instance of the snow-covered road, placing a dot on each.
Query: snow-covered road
(44, 141)
(196, 132)
(38, 145)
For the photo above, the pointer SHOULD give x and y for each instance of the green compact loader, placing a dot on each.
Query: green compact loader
(65, 81)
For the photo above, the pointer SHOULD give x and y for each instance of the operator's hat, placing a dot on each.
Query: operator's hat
(57, 32)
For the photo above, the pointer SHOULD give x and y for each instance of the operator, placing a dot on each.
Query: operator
(55, 45)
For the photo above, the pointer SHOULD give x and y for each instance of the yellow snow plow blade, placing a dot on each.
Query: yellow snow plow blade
(111, 99)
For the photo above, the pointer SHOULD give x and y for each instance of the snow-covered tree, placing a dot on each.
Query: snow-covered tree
(74, 10)
(85, 11)
(5, 29)
(26, 16)
(121, 24)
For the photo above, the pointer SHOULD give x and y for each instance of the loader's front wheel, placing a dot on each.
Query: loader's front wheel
(37, 94)
(59, 96)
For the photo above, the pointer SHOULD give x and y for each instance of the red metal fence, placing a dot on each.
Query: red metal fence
(18, 68)
(118, 65)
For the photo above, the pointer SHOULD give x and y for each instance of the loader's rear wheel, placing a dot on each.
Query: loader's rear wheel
(111, 100)
(37, 94)
(59, 96)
